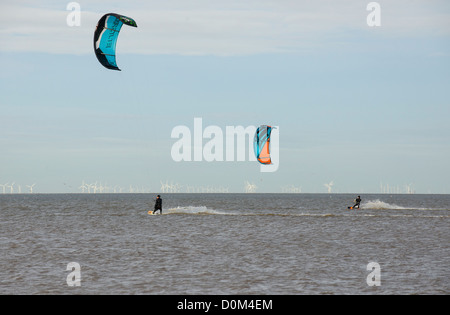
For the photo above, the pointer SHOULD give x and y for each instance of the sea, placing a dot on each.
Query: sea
(224, 244)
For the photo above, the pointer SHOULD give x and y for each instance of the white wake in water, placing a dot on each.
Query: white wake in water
(369, 205)
(381, 205)
(194, 210)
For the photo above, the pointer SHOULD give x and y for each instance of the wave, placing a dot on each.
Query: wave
(202, 210)
(195, 210)
(381, 205)
(369, 205)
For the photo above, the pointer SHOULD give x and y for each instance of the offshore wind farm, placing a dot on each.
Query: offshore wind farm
(171, 186)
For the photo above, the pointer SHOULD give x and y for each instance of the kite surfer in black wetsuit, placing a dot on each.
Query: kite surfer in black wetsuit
(158, 204)
(357, 204)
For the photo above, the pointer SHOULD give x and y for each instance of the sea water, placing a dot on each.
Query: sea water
(224, 244)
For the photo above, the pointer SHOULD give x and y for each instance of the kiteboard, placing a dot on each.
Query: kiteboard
(351, 208)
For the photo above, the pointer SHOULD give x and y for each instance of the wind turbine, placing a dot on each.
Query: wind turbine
(89, 186)
(31, 188)
(176, 188)
(190, 189)
(83, 187)
(101, 188)
(11, 187)
(291, 189)
(409, 189)
(163, 187)
(250, 188)
(166, 188)
(4, 187)
(95, 187)
(329, 185)
(172, 188)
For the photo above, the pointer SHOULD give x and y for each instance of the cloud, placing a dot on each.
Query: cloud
(217, 27)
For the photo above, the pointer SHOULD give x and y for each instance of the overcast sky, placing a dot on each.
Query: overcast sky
(357, 105)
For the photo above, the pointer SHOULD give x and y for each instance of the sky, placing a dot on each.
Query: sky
(365, 107)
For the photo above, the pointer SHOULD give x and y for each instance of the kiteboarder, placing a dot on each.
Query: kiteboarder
(358, 203)
(158, 204)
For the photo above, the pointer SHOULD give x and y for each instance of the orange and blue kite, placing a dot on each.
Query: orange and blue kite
(261, 144)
